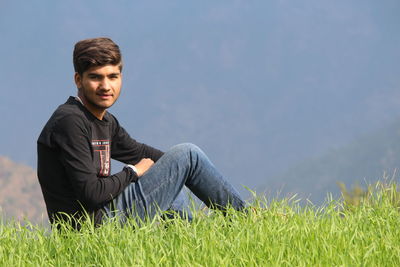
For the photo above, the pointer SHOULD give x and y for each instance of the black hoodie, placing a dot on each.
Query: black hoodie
(74, 165)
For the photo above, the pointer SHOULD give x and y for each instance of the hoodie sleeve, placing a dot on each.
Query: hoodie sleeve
(128, 150)
(72, 139)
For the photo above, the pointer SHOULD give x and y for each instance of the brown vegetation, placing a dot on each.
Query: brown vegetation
(20, 194)
(358, 196)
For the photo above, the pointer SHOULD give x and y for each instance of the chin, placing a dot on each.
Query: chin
(106, 105)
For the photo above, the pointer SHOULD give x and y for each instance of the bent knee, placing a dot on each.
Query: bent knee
(186, 147)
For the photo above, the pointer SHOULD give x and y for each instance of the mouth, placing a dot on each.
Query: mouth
(105, 96)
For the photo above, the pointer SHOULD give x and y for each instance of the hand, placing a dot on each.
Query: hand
(143, 165)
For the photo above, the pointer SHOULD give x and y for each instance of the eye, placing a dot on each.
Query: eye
(113, 76)
(94, 77)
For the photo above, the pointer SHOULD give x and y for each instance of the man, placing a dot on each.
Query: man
(76, 145)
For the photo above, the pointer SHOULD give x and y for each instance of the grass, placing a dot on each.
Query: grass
(283, 234)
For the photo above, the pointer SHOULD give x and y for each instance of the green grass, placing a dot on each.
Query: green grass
(283, 234)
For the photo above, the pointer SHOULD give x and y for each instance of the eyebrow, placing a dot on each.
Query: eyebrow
(101, 75)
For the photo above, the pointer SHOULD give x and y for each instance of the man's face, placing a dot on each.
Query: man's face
(99, 87)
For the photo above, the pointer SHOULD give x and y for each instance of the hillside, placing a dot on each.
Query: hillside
(366, 159)
(20, 194)
(282, 235)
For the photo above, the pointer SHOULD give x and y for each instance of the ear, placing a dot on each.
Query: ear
(78, 80)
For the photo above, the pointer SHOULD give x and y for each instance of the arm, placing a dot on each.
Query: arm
(128, 150)
(75, 154)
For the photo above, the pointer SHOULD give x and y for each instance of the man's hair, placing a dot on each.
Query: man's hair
(96, 52)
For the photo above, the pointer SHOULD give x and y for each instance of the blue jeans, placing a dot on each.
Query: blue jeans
(161, 187)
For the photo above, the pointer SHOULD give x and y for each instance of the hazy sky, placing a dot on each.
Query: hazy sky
(259, 85)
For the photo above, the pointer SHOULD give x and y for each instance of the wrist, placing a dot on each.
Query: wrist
(133, 168)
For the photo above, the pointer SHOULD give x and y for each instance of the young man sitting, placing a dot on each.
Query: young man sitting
(76, 145)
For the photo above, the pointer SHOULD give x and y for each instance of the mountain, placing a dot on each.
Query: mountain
(20, 194)
(258, 85)
(365, 160)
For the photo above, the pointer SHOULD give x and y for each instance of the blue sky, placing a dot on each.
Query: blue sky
(259, 85)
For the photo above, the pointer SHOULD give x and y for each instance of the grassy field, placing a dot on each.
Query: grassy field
(273, 233)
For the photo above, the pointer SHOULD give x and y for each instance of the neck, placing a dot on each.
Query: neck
(97, 112)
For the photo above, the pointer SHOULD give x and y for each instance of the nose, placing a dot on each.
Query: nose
(105, 84)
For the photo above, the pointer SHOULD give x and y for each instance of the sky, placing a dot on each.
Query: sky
(259, 85)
